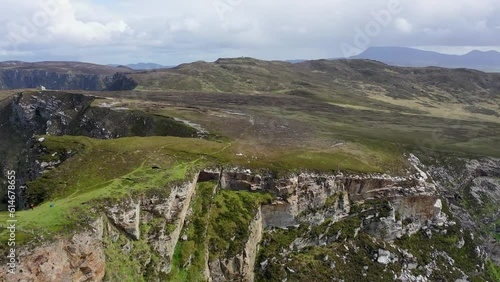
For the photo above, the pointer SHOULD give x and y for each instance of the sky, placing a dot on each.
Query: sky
(172, 32)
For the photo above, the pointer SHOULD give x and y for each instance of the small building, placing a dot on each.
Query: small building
(41, 88)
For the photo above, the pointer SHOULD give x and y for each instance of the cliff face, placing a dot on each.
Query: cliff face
(63, 76)
(472, 188)
(161, 219)
(19, 79)
(48, 112)
(339, 218)
(60, 113)
(332, 196)
(55, 113)
(240, 267)
(316, 212)
(79, 258)
(120, 82)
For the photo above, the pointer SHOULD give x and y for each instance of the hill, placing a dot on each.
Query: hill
(367, 97)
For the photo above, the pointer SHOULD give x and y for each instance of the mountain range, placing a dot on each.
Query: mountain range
(142, 66)
(488, 61)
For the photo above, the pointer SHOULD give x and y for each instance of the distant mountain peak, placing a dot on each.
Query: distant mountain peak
(410, 57)
(483, 52)
(142, 66)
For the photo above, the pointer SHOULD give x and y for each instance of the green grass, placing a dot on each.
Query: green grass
(230, 217)
(435, 112)
(106, 169)
(314, 263)
(351, 157)
(493, 270)
(112, 169)
(48, 220)
(125, 267)
(329, 161)
(188, 262)
(130, 159)
(465, 258)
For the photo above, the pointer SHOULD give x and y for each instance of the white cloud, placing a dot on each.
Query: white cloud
(403, 25)
(171, 32)
(184, 25)
(482, 25)
(67, 27)
(53, 21)
(87, 33)
(302, 30)
(15, 53)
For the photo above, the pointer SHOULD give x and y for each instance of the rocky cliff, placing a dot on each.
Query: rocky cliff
(63, 76)
(332, 196)
(78, 258)
(314, 211)
(317, 226)
(472, 188)
(168, 217)
(60, 113)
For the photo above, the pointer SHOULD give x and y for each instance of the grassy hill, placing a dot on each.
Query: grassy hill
(320, 104)
(346, 82)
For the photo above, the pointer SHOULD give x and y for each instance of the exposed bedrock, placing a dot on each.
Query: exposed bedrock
(33, 78)
(240, 267)
(80, 258)
(332, 196)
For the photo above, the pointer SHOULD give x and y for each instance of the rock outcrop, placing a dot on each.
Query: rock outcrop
(385, 208)
(164, 215)
(64, 76)
(126, 217)
(120, 82)
(60, 113)
(331, 196)
(48, 112)
(472, 189)
(80, 258)
(181, 198)
(240, 267)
